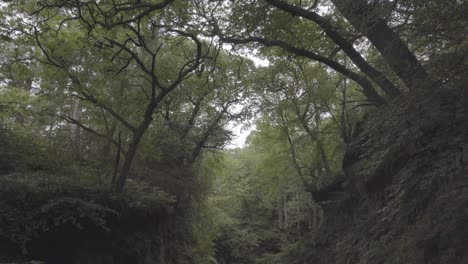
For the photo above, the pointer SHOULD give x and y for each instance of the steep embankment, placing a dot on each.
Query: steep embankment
(59, 211)
(59, 220)
(408, 186)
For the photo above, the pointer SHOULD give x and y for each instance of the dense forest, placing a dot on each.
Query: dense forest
(121, 123)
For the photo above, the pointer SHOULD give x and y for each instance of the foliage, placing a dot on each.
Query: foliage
(30, 207)
(115, 109)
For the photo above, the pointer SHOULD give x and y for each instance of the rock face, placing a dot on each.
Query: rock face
(408, 187)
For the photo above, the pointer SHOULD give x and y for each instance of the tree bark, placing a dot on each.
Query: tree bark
(395, 52)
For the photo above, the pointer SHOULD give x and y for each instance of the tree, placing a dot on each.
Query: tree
(394, 51)
(128, 41)
(326, 24)
(297, 37)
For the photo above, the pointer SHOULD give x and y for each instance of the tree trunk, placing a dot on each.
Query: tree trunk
(106, 149)
(344, 120)
(133, 147)
(280, 215)
(298, 210)
(320, 146)
(314, 136)
(323, 155)
(395, 52)
(75, 129)
(132, 150)
(285, 204)
(26, 85)
(117, 159)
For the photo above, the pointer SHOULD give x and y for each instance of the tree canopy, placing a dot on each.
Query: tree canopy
(148, 91)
